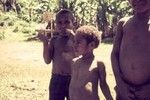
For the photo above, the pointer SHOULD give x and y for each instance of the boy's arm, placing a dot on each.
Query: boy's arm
(48, 51)
(121, 85)
(103, 84)
(115, 52)
(48, 48)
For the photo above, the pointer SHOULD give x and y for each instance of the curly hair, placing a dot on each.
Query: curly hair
(90, 34)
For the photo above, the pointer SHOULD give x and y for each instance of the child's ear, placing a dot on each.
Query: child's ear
(75, 24)
(92, 45)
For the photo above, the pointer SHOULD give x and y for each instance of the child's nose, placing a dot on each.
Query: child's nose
(63, 25)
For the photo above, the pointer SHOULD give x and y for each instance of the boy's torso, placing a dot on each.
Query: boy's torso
(84, 82)
(62, 65)
(135, 51)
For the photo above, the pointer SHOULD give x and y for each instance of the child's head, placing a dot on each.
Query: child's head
(140, 6)
(64, 20)
(87, 38)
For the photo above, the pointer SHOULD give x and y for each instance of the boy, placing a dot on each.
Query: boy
(56, 51)
(131, 54)
(86, 70)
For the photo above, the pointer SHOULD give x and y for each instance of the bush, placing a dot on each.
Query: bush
(11, 23)
(2, 35)
(26, 30)
(16, 29)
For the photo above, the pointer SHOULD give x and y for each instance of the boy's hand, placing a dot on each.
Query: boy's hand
(42, 37)
(40, 30)
(70, 32)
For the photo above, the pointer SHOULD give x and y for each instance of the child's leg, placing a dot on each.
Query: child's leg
(59, 87)
(55, 90)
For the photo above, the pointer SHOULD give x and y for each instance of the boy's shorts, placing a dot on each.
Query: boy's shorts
(59, 87)
(141, 92)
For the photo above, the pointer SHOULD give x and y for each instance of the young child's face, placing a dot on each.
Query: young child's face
(81, 46)
(140, 6)
(64, 23)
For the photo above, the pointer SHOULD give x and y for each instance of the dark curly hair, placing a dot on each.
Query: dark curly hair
(90, 34)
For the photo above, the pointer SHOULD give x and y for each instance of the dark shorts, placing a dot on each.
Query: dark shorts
(59, 87)
(139, 92)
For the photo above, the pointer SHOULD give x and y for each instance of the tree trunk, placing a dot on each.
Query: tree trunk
(9, 5)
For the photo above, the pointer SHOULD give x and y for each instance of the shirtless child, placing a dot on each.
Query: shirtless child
(86, 70)
(131, 54)
(59, 50)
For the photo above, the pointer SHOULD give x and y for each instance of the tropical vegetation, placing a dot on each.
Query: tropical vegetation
(23, 16)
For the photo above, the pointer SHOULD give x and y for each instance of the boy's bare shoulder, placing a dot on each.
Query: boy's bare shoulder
(124, 20)
(76, 59)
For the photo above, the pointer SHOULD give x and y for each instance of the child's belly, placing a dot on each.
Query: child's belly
(135, 62)
(83, 91)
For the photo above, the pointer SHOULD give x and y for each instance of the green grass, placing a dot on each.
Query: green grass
(23, 73)
(25, 76)
(13, 25)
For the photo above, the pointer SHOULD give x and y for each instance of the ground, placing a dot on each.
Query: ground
(25, 76)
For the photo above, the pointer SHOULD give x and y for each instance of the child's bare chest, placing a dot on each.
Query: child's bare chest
(85, 72)
(136, 35)
(135, 52)
(63, 44)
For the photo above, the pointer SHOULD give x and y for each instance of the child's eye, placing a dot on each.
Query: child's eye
(67, 22)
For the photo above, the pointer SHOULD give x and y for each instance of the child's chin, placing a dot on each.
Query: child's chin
(77, 54)
(63, 32)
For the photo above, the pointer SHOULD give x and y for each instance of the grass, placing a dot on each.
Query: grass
(25, 76)
(23, 73)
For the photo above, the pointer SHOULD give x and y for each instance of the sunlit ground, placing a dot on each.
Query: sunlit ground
(25, 76)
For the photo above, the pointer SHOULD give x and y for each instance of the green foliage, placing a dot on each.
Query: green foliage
(10, 23)
(95, 12)
(28, 30)
(8, 16)
(2, 35)
(16, 29)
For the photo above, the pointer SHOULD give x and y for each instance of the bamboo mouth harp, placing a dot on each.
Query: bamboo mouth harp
(44, 30)
(149, 24)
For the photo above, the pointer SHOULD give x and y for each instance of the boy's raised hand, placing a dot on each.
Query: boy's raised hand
(42, 37)
(70, 32)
